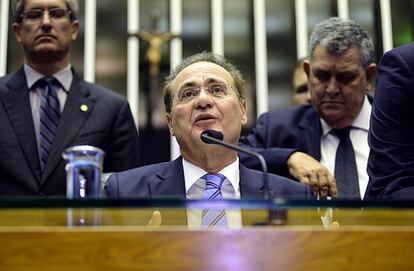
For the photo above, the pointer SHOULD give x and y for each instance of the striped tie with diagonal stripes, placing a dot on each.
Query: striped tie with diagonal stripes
(214, 218)
(49, 117)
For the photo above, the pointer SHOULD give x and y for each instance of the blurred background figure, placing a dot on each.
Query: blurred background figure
(301, 93)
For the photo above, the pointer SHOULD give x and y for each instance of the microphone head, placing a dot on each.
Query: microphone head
(211, 133)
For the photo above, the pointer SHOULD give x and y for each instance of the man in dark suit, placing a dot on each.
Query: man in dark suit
(204, 92)
(391, 135)
(340, 72)
(79, 113)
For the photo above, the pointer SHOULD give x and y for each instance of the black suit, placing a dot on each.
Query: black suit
(391, 134)
(107, 124)
(167, 180)
(279, 133)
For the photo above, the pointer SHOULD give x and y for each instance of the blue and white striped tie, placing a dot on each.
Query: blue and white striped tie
(214, 218)
(49, 117)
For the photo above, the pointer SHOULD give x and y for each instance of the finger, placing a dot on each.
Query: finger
(155, 220)
(304, 180)
(333, 192)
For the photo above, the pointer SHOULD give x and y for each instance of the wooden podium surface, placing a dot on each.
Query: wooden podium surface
(118, 239)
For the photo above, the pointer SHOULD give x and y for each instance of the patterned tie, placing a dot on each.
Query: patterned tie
(346, 173)
(214, 218)
(49, 117)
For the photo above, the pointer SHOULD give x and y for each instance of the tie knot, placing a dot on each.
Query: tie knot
(213, 180)
(341, 133)
(48, 83)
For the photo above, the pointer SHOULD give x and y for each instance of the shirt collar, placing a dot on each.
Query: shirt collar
(193, 173)
(360, 122)
(64, 76)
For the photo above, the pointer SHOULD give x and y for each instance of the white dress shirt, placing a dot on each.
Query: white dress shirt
(64, 77)
(359, 139)
(195, 187)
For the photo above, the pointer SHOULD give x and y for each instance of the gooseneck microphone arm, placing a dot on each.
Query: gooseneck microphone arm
(216, 137)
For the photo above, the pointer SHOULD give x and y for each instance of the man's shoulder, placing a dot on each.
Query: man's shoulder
(139, 172)
(282, 186)
(290, 116)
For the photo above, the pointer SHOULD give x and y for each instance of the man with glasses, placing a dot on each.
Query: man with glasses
(45, 107)
(204, 92)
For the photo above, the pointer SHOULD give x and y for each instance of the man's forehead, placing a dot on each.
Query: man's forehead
(48, 3)
(202, 72)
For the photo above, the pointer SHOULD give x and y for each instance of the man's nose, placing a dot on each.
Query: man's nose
(332, 86)
(203, 99)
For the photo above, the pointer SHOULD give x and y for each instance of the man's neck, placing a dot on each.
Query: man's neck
(48, 68)
(212, 161)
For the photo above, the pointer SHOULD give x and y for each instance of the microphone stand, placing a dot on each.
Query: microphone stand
(275, 217)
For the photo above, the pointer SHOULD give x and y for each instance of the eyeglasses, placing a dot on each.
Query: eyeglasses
(188, 94)
(33, 16)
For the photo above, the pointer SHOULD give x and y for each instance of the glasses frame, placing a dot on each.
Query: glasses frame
(66, 17)
(208, 88)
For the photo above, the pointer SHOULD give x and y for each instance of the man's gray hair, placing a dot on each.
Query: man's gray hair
(239, 82)
(338, 35)
(18, 8)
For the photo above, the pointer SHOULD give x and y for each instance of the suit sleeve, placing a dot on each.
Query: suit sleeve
(123, 152)
(259, 140)
(391, 135)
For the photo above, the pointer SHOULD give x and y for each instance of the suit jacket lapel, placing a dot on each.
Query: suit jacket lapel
(169, 181)
(71, 121)
(311, 130)
(17, 104)
(250, 186)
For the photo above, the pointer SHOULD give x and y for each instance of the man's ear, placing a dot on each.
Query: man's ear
(243, 107)
(168, 118)
(75, 26)
(306, 68)
(16, 32)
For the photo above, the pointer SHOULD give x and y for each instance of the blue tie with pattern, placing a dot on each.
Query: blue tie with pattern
(346, 173)
(214, 218)
(49, 117)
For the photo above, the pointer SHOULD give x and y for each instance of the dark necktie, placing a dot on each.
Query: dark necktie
(346, 173)
(214, 218)
(49, 117)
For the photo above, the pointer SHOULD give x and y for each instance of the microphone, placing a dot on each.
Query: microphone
(216, 137)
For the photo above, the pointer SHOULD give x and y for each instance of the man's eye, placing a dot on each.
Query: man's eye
(188, 94)
(322, 76)
(57, 13)
(33, 14)
(217, 89)
(346, 78)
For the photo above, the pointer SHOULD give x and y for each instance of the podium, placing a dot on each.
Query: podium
(49, 234)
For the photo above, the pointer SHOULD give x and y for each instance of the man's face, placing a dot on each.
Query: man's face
(204, 97)
(338, 85)
(48, 37)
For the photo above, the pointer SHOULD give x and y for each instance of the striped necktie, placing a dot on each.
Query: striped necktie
(346, 173)
(49, 117)
(213, 218)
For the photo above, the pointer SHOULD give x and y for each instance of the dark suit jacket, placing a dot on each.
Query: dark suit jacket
(391, 135)
(108, 124)
(167, 180)
(279, 133)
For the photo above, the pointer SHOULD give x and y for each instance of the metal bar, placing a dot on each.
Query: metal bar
(133, 59)
(90, 41)
(260, 52)
(217, 36)
(176, 49)
(4, 26)
(386, 25)
(301, 18)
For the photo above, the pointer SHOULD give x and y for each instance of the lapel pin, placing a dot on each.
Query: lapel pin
(84, 107)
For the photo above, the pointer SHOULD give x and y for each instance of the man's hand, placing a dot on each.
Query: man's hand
(155, 220)
(309, 171)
